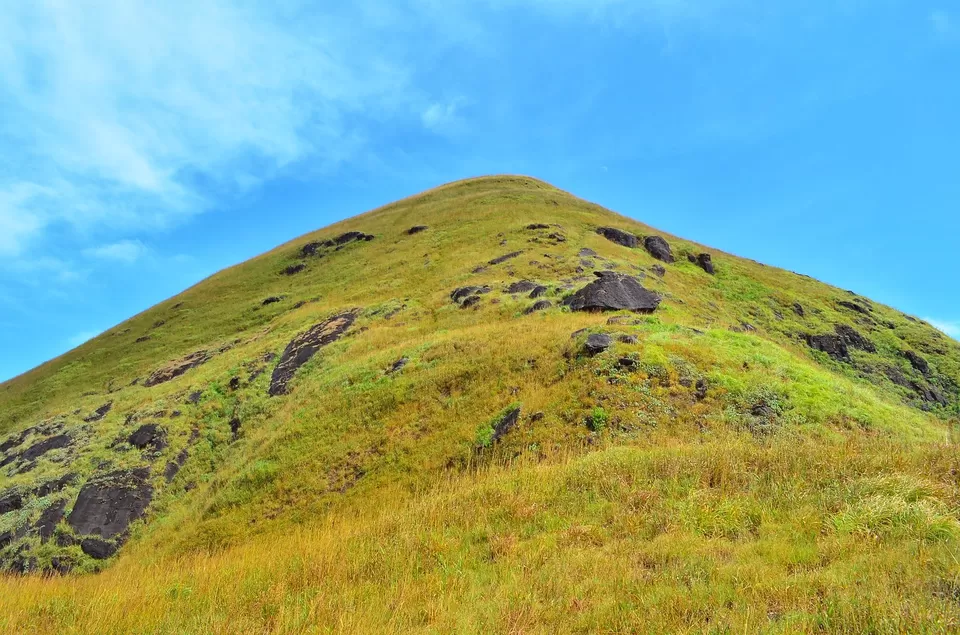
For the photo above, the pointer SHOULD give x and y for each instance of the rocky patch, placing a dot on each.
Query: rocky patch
(173, 467)
(504, 258)
(177, 368)
(313, 249)
(150, 437)
(294, 269)
(832, 345)
(537, 291)
(853, 339)
(304, 346)
(97, 548)
(658, 270)
(505, 424)
(10, 502)
(659, 248)
(535, 226)
(523, 286)
(618, 236)
(799, 310)
(49, 520)
(40, 448)
(54, 486)
(416, 229)
(542, 305)
(108, 505)
(587, 253)
(99, 413)
(397, 366)
(917, 362)
(612, 291)
(468, 296)
(704, 261)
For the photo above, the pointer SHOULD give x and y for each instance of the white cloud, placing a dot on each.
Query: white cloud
(950, 328)
(942, 23)
(443, 117)
(125, 251)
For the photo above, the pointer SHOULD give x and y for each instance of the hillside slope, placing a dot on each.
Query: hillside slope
(435, 417)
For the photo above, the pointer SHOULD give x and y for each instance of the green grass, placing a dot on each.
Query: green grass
(799, 494)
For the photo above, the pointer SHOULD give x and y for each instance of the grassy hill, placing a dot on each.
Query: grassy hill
(376, 428)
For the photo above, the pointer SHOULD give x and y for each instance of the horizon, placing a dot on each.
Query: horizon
(140, 162)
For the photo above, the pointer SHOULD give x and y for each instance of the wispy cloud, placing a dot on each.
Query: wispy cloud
(941, 22)
(949, 327)
(126, 251)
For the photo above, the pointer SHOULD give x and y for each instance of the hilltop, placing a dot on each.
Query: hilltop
(492, 406)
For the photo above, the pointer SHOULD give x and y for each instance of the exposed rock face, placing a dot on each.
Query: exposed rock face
(798, 309)
(855, 306)
(597, 343)
(704, 261)
(54, 486)
(271, 300)
(917, 362)
(658, 270)
(108, 505)
(177, 368)
(534, 226)
(49, 520)
(542, 305)
(294, 269)
(853, 338)
(618, 236)
(505, 257)
(398, 365)
(149, 436)
(658, 248)
(523, 286)
(10, 502)
(538, 291)
(613, 291)
(416, 229)
(468, 296)
(930, 394)
(587, 253)
(99, 413)
(40, 448)
(838, 345)
(312, 249)
(505, 424)
(98, 549)
(303, 347)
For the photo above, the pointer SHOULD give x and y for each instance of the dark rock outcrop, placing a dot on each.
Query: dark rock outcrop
(618, 236)
(504, 258)
(832, 345)
(99, 413)
(98, 549)
(271, 300)
(40, 448)
(294, 269)
(304, 346)
(49, 520)
(148, 436)
(416, 229)
(855, 307)
(659, 248)
(463, 295)
(397, 366)
(798, 309)
(177, 368)
(917, 362)
(506, 423)
(613, 291)
(523, 286)
(597, 343)
(537, 291)
(313, 249)
(173, 467)
(54, 486)
(704, 261)
(930, 394)
(10, 502)
(108, 505)
(852, 338)
(587, 253)
(658, 270)
(541, 305)
(535, 226)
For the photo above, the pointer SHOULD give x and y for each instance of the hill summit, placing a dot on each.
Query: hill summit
(496, 407)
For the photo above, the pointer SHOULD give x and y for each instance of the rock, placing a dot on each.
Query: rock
(194, 397)
(855, 307)
(798, 309)
(98, 549)
(618, 236)
(658, 270)
(702, 387)
(10, 502)
(294, 269)
(557, 236)
(930, 394)
(917, 362)
(537, 291)
(504, 258)
(54, 486)
(173, 467)
(523, 286)
(587, 253)
(234, 383)
(597, 343)
(587, 264)
(469, 302)
(271, 300)
(398, 365)
(542, 305)
(149, 436)
(310, 249)
(463, 295)
(533, 226)
(628, 363)
(40, 448)
(612, 292)
(99, 413)
(235, 425)
(627, 339)
(896, 376)
(177, 368)
(304, 346)
(832, 345)
(505, 424)
(108, 505)
(659, 248)
(853, 339)
(49, 520)
(704, 261)
(416, 229)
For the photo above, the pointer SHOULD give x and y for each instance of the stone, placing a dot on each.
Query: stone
(597, 343)
(98, 549)
(618, 236)
(523, 286)
(658, 270)
(704, 261)
(504, 258)
(148, 436)
(54, 486)
(534, 226)
(416, 229)
(917, 362)
(397, 366)
(40, 448)
(587, 253)
(99, 413)
(49, 520)
(798, 309)
(832, 345)
(271, 300)
(177, 368)
(853, 339)
(612, 291)
(106, 506)
(542, 305)
(659, 248)
(538, 291)
(506, 423)
(304, 346)
(463, 295)
(294, 269)
(10, 502)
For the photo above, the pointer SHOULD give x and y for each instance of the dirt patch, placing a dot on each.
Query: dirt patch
(303, 347)
(108, 505)
(618, 236)
(613, 291)
(177, 368)
(659, 248)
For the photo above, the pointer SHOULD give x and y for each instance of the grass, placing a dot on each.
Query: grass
(796, 494)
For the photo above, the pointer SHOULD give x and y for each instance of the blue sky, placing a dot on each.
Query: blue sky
(143, 148)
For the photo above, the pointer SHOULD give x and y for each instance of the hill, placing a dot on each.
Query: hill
(489, 407)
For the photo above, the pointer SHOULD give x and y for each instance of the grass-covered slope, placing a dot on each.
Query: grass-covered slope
(761, 452)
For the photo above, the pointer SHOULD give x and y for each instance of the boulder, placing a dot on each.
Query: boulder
(618, 236)
(304, 346)
(108, 505)
(271, 300)
(416, 229)
(523, 286)
(798, 309)
(704, 261)
(49, 520)
(832, 345)
(658, 270)
(148, 436)
(659, 248)
(587, 253)
(98, 549)
(853, 339)
(597, 343)
(537, 291)
(40, 448)
(294, 269)
(535, 226)
(10, 502)
(398, 365)
(613, 291)
(504, 258)
(542, 305)
(461, 295)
